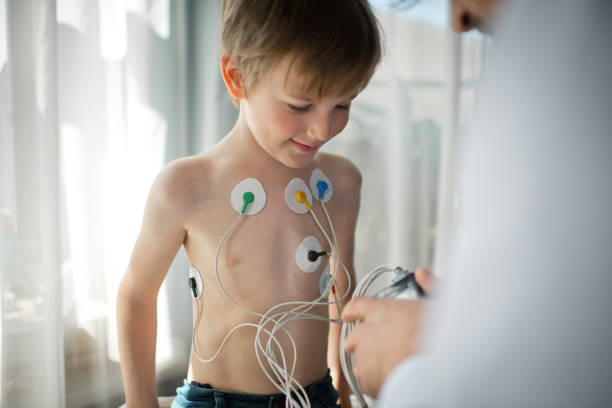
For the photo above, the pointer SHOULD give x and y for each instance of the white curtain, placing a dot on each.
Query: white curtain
(96, 96)
(32, 347)
(403, 133)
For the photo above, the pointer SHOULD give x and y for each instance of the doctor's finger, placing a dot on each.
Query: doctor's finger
(425, 279)
(357, 308)
(353, 340)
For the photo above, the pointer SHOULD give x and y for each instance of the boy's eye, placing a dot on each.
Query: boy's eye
(345, 106)
(296, 108)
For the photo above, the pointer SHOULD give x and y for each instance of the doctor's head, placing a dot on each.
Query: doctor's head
(469, 14)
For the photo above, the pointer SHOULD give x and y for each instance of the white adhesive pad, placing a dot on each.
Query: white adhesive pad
(295, 185)
(194, 273)
(254, 186)
(309, 243)
(324, 280)
(316, 176)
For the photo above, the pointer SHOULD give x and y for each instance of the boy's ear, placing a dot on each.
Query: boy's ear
(231, 77)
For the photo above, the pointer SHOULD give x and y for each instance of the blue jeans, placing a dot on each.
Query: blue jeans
(194, 395)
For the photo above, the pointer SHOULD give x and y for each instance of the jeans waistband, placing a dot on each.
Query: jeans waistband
(196, 391)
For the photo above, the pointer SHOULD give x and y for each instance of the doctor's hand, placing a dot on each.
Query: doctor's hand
(425, 280)
(388, 332)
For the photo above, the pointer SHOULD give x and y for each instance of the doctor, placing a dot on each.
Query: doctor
(524, 316)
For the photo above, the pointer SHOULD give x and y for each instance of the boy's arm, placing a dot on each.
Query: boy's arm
(161, 235)
(348, 192)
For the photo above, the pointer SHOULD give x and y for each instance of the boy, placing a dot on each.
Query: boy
(292, 67)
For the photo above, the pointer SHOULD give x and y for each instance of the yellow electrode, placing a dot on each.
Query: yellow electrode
(301, 197)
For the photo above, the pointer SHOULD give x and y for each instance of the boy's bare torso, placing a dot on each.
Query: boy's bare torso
(257, 267)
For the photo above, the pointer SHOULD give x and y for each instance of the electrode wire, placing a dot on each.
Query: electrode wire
(345, 358)
(303, 313)
(303, 304)
(194, 331)
(299, 312)
(202, 359)
(279, 321)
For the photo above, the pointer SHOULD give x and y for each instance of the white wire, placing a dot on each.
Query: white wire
(283, 320)
(331, 226)
(333, 246)
(285, 380)
(223, 237)
(345, 358)
(348, 276)
(272, 337)
(202, 359)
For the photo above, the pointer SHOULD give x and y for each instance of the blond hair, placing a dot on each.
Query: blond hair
(334, 44)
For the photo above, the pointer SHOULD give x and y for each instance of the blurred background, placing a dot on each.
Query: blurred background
(96, 96)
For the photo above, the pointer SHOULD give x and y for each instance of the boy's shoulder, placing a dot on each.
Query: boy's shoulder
(342, 171)
(183, 181)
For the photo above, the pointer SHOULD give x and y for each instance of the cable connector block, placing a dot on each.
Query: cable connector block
(403, 285)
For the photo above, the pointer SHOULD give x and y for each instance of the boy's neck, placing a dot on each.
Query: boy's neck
(246, 150)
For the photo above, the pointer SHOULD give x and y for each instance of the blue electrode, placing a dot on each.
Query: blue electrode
(322, 187)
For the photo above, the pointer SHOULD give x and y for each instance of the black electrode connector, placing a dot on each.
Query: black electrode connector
(314, 255)
(193, 285)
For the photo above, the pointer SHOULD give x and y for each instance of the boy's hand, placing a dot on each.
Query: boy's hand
(388, 332)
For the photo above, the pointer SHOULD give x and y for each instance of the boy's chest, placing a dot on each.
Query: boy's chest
(270, 246)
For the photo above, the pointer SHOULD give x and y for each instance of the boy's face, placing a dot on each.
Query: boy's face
(289, 124)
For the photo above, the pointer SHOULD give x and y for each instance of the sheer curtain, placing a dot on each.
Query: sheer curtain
(403, 134)
(31, 241)
(96, 96)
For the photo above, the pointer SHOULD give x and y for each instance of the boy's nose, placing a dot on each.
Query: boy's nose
(321, 128)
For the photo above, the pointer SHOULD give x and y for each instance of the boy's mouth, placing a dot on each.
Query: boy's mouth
(303, 147)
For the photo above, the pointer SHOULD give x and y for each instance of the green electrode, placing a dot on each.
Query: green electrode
(247, 198)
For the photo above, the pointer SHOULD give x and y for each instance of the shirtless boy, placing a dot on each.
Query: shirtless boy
(292, 67)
